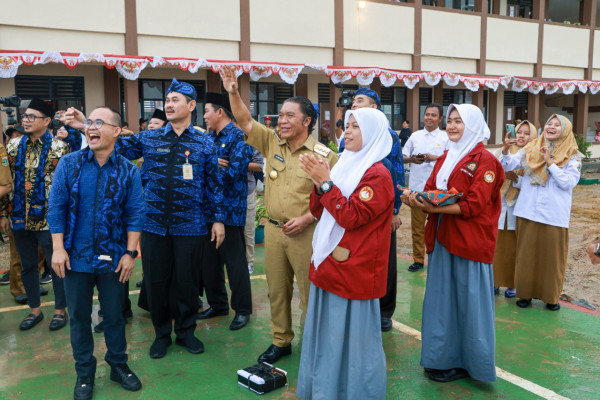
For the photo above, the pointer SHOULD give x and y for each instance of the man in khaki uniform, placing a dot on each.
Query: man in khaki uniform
(288, 235)
(16, 286)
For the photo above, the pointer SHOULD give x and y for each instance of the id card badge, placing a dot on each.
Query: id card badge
(188, 172)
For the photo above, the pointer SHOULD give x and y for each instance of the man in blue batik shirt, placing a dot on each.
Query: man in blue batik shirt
(184, 203)
(95, 216)
(366, 97)
(234, 156)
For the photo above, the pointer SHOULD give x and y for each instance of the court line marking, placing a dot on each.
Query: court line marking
(412, 332)
(503, 374)
(51, 303)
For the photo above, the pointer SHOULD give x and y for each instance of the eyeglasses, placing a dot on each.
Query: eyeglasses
(97, 123)
(30, 117)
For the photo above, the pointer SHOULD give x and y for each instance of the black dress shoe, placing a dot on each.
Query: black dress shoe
(274, 353)
(191, 343)
(58, 321)
(139, 284)
(415, 267)
(553, 307)
(43, 291)
(239, 321)
(159, 347)
(210, 313)
(84, 388)
(121, 373)
(30, 321)
(447, 375)
(386, 324)
(524, 303)
(21, 298)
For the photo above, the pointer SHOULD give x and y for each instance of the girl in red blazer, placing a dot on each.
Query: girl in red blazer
(458, 329)
(342, 354)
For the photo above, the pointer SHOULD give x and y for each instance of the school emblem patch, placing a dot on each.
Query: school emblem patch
(4, 161)
(489, 176)
(472, 166)
(366, 193)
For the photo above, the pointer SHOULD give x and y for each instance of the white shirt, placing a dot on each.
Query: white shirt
(421, 142)
(550, 204)
(507, 214)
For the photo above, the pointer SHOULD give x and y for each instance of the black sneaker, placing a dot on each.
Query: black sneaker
(415, 266)
(5, 280)
(121, 373)
(46, 278)
(84, 388)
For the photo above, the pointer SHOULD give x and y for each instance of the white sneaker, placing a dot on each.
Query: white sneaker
(250, 269)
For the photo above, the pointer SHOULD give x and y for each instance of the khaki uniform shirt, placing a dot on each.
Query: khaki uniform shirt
(5, 174)
(287, 187)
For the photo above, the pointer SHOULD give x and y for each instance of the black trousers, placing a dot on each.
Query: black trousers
(387, 304)
(27, 247)
(171, 267)
(79, 288)
(126, 301)
(232, 253)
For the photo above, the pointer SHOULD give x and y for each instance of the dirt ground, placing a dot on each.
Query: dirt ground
(582, 279)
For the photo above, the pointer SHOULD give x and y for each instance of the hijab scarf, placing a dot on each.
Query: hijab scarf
(561, 150)
(507, 188)
(348, 172)
(476, 131)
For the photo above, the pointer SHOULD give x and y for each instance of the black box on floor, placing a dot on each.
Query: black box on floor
(262, 378)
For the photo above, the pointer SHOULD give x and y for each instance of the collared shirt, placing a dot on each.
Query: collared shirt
(287, 187)
(258, 159)
(421, 142)
(175, 205)
(32, 158)
(230, 142)
(550, 204)
(5, 174)
(84, 252)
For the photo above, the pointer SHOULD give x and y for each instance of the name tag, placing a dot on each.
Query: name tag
(188, 171)
(105, 258)
(163, 150)
(278, 157)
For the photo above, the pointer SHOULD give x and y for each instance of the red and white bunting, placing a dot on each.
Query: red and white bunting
(130, 68)
(9, 65)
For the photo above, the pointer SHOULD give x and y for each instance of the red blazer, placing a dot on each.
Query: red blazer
(471, 235)
(367, 218)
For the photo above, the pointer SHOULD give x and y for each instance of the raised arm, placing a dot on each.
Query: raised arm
(239, 109)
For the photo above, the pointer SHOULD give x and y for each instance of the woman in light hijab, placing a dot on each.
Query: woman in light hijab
(342, 353)
(458, 310)
(506, 246)
(552, 164)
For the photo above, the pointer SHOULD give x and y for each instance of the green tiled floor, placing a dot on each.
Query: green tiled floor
(559, 351)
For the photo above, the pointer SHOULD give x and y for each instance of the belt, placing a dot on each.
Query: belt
(277, 223)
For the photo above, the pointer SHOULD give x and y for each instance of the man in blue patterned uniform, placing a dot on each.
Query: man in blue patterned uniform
(369, 98)
(183, 195)
(95, 217)
(234, 156)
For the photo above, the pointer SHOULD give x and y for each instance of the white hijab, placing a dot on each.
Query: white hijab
(476, 131)
(347, 173)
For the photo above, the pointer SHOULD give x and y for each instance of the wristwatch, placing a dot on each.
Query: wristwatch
(326, 186)
(132, 253)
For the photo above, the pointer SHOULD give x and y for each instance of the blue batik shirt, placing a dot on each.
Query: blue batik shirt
(177, 206)
(396, 159)
(80, 216)
(230, 142)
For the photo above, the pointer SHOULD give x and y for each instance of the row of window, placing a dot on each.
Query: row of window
(265, 98)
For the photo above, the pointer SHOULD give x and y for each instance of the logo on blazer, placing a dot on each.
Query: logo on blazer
(489, 176)
(472, 166)
(366, 193)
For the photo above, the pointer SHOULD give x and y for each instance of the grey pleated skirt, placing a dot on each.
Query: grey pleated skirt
(458, 328)
(342, 353)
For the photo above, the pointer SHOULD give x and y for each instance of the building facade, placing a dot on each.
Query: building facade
(545, 41)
